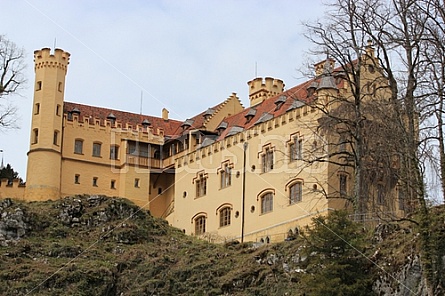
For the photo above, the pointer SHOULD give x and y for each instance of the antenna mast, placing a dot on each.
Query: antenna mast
(140, 110)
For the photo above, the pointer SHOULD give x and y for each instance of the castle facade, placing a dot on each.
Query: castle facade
(227, 173)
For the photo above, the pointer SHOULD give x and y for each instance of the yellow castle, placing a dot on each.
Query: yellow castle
(227, 173)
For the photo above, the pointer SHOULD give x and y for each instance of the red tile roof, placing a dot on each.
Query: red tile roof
(198, 120)
(267, 106)
(169, 126)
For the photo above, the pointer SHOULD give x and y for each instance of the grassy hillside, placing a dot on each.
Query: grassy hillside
(94, 245)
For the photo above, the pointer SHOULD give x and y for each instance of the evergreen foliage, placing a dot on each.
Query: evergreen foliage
(337, 265)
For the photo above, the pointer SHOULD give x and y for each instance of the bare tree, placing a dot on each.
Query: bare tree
(401, 33)
(12, 79)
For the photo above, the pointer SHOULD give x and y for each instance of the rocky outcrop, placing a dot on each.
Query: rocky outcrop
(14, 223)
(406, 281)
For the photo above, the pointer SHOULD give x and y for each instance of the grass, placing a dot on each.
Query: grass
(114, 248)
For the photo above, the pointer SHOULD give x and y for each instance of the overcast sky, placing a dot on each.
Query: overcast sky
(185, 56)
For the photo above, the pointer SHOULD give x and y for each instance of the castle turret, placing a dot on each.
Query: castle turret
(260, 90)
(44, 156)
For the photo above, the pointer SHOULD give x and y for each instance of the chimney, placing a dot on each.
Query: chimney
(164, 114)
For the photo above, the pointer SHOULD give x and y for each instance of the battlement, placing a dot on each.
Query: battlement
(106, 127)
(261, 89)
(12, 189)
(319, 67)
(43, 58)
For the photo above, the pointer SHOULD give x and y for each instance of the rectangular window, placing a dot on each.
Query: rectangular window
(114, 152)
(78, 146)
(95, 181)
(76, 179)
(401, 198)
(267, 160)
(295, 193)
(39, 85)
(56, 138)
(226, 176)
(35, 136)
(295, 149)
(96, 149)
(343, 188)
(136, 183)
(58, 107)
(201, 185)
(267, 203)
(380, 194)
(113, 184)
(37, 108)
(60, 87)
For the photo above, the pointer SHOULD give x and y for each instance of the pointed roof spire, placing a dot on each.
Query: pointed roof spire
(327, 80)
(2, 166)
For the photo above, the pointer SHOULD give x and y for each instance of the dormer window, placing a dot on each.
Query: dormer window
(208, 113)
(111, 118)
(186, 124)
(249, 115)
(75, 111)
(221, 127)
(311, 89)
(279, 102)
(146, 123)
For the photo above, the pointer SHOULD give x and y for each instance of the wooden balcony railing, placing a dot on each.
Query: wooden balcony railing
(148, 162)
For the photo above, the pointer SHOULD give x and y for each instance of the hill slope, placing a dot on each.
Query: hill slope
(95, 245)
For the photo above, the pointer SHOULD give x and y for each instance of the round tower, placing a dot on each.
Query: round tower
(45, 152)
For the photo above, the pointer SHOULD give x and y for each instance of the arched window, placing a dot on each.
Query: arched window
(267, 203)
(225, 216)
(200, 225)
(295, 193)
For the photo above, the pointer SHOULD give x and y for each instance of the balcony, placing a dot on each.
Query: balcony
(147, 162)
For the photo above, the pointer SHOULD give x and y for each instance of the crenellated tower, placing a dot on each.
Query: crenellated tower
(44, 156)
